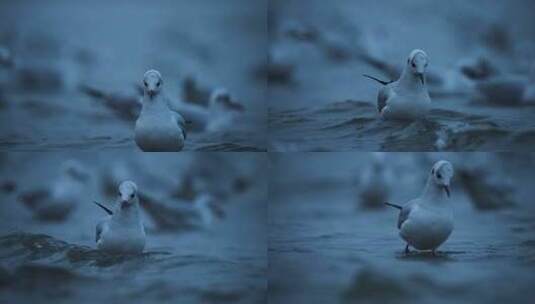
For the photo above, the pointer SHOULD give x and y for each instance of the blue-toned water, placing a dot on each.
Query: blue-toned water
(319, 100)
(327, 246)
(224, 262)
(58, 47)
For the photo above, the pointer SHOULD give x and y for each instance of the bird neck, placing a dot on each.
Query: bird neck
(433, 193)
(127, 216)
(410, 81)
(153, 104)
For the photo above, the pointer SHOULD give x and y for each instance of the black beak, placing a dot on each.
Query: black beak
(447, 189)
(421, 76)
(124, 204)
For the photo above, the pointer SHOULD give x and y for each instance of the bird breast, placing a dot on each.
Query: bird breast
(158, 132)
(123, 239)
(426, 229)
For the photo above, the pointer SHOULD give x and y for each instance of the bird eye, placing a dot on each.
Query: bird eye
(413, 65)
(158, 84)
(439, 175)
(132, 195)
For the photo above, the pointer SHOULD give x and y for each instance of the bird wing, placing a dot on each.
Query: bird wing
(195, 115)
(101, 226)
(106, 209)
(384, 94)
(181, 122)
(404, 213)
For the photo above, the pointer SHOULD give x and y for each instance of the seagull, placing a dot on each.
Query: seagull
(206, 207)
(407, 97)
(375, 183)
(123, 231)
(158, 128)
(427, 221)
(223, 110)
(57, 203)
(125, 106)
(182, 215)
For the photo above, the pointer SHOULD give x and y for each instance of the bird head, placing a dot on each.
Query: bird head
(127, 194)
(152, 83)
(441, 173)
(220, 97)
(417, 64)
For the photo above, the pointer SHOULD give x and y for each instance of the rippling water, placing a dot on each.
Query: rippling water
(56, 52)
(353, 125)
(319, 101)
(57, 262)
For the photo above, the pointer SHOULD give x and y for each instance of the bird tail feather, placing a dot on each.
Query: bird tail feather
(108, 211)
(394, 205)
(376, 79)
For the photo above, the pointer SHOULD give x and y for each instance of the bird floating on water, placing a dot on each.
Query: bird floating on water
(408, 97)
(158, 128)
(123, 231)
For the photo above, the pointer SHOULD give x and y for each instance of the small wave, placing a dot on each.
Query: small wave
(344, 106)
(228, 147)
(353, 122)
(23, 247)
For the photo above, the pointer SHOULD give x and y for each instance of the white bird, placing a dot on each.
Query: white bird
(224, 112)
(407, 97)
(123, 231)
(375, 183)
(58, 202)
(206, 206)
(426, 222)
(158, 128)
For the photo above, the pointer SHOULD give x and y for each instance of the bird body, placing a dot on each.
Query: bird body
(427, 222)
(122, 231)
(158, 128)
(428, 225)
(57, 202)
(400, 102)
(407, 97)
